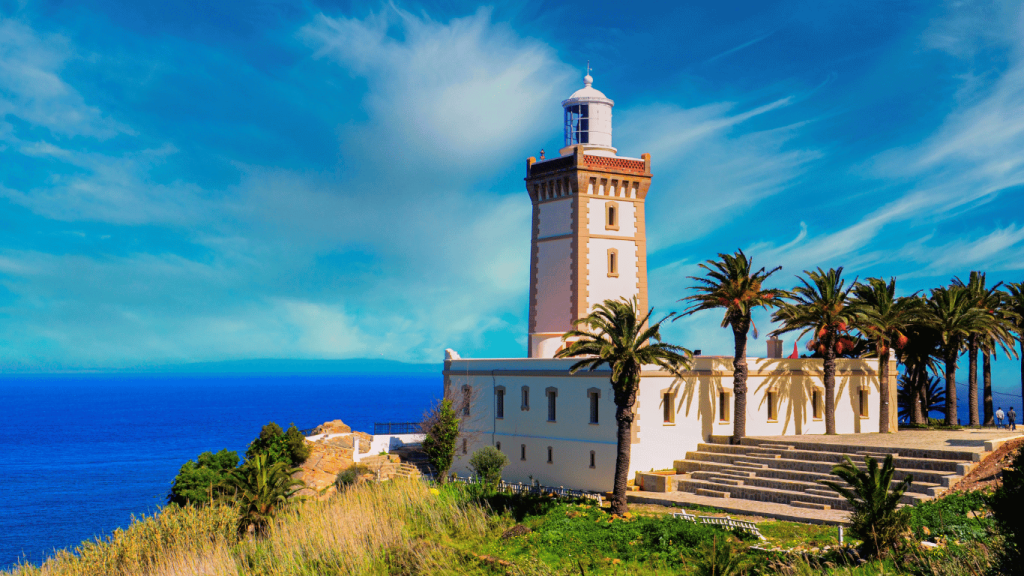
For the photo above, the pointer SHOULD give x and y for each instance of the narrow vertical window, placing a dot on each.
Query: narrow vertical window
(499, 409)
(772, 415)
(668, 407)
(613, 262)
(551, 455)
(723, 406)
(465, 400)
(526, 398)
(552, 412)
(816, 404)
(594, 408)
(863, 403)
(522, 451)
(498, 446)
(611, 211)
(465, 447)
(592, 460)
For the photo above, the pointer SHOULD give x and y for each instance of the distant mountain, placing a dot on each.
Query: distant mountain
(292, 366)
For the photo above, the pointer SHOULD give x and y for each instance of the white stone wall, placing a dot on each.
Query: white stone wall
(658, 444)
(554, 286)
(597, 217)
(600, 286)
(555, 218)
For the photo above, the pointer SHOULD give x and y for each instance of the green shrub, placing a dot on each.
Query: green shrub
(487, 463)
(279, 446)
(1007, 508)
(957, 516)
(200, 482)
(442, 432)
(348, 476)
(876, 518)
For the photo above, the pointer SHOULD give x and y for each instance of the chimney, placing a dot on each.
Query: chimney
(774, 347)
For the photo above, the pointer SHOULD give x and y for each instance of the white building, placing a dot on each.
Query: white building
(589, 245)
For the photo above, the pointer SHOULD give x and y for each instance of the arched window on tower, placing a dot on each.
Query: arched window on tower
(611, 221)
(613, 263)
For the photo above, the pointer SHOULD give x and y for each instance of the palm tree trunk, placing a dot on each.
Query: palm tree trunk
(830, 386)
(951, 416)
(917, 414)
(1022, 368)
(624, 419)
(972, 381)
(986, 371)
(739, 382)
(883, 391)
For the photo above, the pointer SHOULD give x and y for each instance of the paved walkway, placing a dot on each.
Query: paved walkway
(979, 441)
(738, 506)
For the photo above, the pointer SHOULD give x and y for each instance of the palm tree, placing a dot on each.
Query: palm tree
(1013, 307)
(733, 284)
(953, 313)
(908, 398)
(261, 488)
(920, 357)
(615, 334)
(876, 516)
(820, 305)
(988, 300)
(883, 319)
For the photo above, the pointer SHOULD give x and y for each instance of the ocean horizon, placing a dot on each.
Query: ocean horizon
(84, 452)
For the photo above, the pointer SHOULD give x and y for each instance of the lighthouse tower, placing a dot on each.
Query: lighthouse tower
(588, 243)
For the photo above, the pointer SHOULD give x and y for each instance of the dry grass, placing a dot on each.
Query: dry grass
(369, 529)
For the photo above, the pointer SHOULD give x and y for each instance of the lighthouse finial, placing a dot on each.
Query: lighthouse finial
(588, 79)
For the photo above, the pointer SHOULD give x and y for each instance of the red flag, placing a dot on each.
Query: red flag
(795, 353)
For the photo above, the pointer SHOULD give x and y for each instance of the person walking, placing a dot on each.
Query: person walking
(1012, 419)
(999, 418)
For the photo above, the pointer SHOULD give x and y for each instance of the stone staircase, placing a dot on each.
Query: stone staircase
(390, 466)
(785, 472)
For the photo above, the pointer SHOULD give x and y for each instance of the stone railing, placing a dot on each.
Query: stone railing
(726, 521)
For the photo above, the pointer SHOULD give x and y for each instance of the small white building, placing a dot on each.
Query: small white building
(589, 245)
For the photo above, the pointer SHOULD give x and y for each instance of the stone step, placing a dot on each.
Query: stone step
(963, 456)
(923, 480)
(759, 494)
(813, 505)
(712, 493)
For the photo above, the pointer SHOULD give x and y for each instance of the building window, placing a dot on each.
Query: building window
(723, 406)
(526, 399)
(551, 455)
(552, 413)
(499, 409)
(465, 400)
(611, 211)
(465, 447)
(613, 263)
(593, 459)
(816, 404)
(668, 407)
(497, 445)
(863, 403)
(772, 412)
(595, 413)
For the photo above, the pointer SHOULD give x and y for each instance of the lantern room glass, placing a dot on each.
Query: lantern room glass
(577, 124)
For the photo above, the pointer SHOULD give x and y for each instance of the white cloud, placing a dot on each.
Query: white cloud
(31, 87)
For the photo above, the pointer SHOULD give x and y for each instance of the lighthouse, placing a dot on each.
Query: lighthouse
(588, 242)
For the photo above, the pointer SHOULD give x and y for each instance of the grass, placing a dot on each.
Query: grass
(410, 528)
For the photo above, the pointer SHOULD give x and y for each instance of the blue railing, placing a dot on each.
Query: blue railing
(396, 428)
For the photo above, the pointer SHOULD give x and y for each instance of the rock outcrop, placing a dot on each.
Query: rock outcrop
(331, 453)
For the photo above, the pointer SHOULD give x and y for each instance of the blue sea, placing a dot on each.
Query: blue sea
(80, 454)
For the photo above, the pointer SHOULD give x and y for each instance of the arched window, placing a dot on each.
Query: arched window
(551, 455)
(613, 263)
(593, 459)
(522, 451)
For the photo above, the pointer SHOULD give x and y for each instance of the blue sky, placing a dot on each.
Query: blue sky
(197, 182)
